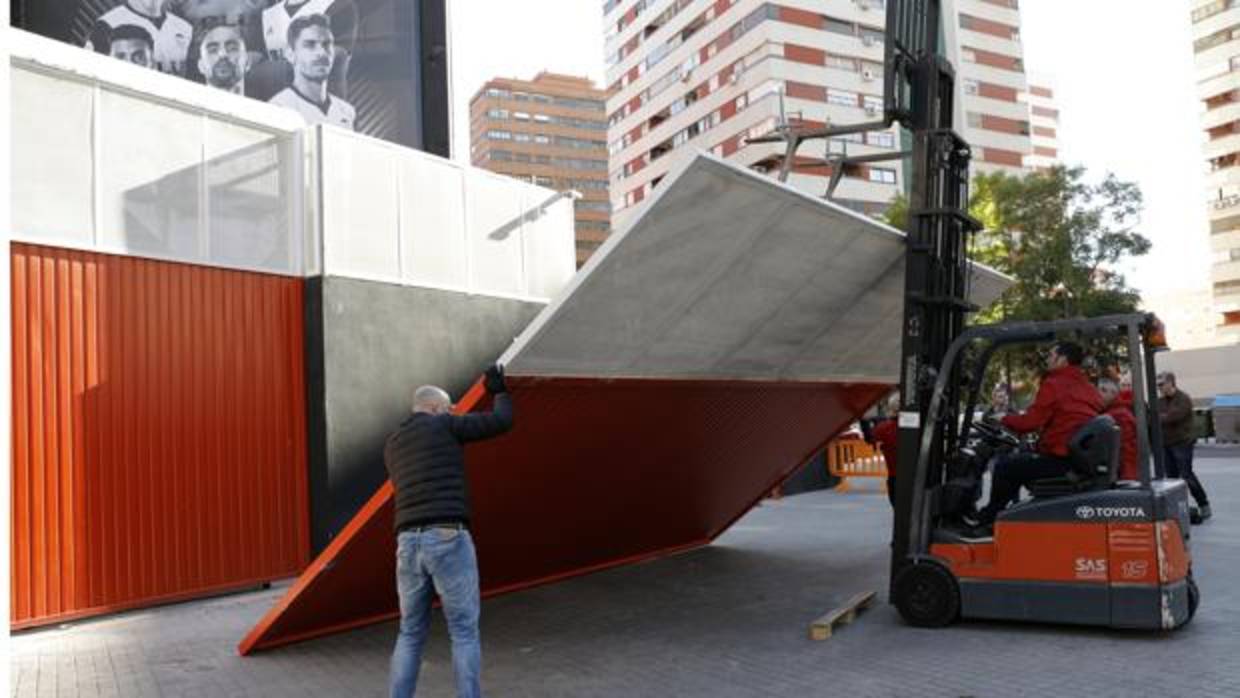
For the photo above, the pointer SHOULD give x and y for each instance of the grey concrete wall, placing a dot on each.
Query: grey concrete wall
(369, 345)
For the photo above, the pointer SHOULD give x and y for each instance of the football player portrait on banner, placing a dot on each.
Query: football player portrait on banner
(349, 63)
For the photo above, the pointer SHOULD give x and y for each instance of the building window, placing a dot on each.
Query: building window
(881, 139)
(841, 97)
(971, 87)
(496, 92)
(974, 119)
(871, 36)
(521, 137)
(603, 206)
(842, 63)
(541, 139)
(497, 113)
(520, 116)
(882, 176)
(499, 135)
(838, 26)
(1208, 11)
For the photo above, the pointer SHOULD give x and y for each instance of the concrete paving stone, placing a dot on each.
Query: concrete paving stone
(727, 620)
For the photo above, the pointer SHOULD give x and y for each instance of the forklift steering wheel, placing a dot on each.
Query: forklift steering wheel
(995, 433)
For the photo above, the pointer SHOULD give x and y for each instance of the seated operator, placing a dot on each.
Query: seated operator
(1066, 400)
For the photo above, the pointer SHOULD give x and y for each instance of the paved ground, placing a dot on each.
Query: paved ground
(727, 620)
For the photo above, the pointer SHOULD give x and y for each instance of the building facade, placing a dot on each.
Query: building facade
(711, 74)
(984, 45)
(1216, 49)
(1044, 125)
(707, 75)
(549, 131)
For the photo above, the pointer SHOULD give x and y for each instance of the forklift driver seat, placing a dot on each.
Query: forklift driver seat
(1094, 454)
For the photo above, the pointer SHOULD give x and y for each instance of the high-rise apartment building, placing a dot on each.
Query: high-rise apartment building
(550, 131)
(710, 74)
(1216, 47)
(983, 43)
(1044, 125)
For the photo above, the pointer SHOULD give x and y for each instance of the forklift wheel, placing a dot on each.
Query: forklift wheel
(1194, 598)
(927, 595)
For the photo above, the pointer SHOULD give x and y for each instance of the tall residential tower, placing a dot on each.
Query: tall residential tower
(711, 74)
(1216, 47)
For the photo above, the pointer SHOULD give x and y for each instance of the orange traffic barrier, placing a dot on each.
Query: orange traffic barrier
(852, 457)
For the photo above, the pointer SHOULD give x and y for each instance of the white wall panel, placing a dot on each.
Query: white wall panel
(150, 158)
(51, 144)
(494, 223)
(548, 261)
(432, 217)
(361, 218)
(249, 195)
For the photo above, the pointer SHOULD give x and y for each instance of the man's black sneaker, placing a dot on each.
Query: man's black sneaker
(1205, 512)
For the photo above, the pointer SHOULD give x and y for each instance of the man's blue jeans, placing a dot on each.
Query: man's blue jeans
(437, 561)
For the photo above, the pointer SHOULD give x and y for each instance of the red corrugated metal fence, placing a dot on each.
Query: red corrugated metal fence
(158, 432)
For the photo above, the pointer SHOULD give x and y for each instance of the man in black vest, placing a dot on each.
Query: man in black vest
(425, 460)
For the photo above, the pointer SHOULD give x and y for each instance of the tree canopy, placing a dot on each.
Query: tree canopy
(1061, 238)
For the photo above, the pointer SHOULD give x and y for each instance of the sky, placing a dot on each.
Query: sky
(1123, 79)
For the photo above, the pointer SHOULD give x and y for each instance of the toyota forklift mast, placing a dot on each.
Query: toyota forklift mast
(919, 90)
(937, 268)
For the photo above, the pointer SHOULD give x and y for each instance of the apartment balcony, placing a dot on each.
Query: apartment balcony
(1219, 147)
(1219, 116)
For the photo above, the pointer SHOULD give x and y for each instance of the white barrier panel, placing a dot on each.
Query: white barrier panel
(115, 158)
(402, 216)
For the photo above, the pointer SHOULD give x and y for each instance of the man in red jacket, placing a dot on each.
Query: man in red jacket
(1118, 405)
(886, 435)
(1066, 400)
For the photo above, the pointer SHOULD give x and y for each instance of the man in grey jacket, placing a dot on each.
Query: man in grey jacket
(425, 460)
(1175, 411)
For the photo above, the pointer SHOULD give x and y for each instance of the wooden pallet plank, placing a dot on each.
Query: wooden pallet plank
(822, 628)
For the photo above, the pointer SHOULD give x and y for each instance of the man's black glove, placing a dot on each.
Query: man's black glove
(494, 381)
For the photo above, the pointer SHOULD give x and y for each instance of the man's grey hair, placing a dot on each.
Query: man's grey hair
(429, 398)
(1167, 376)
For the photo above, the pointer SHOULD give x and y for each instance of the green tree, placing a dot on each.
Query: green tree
(1061, 239)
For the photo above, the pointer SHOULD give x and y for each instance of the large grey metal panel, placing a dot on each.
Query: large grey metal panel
(727, 274)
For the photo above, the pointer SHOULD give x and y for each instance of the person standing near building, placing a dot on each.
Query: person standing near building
(1175, 410)
(425, 460)
(171, 35)
(311, 51)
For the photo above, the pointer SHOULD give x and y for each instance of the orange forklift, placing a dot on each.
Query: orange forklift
(1085, 548)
